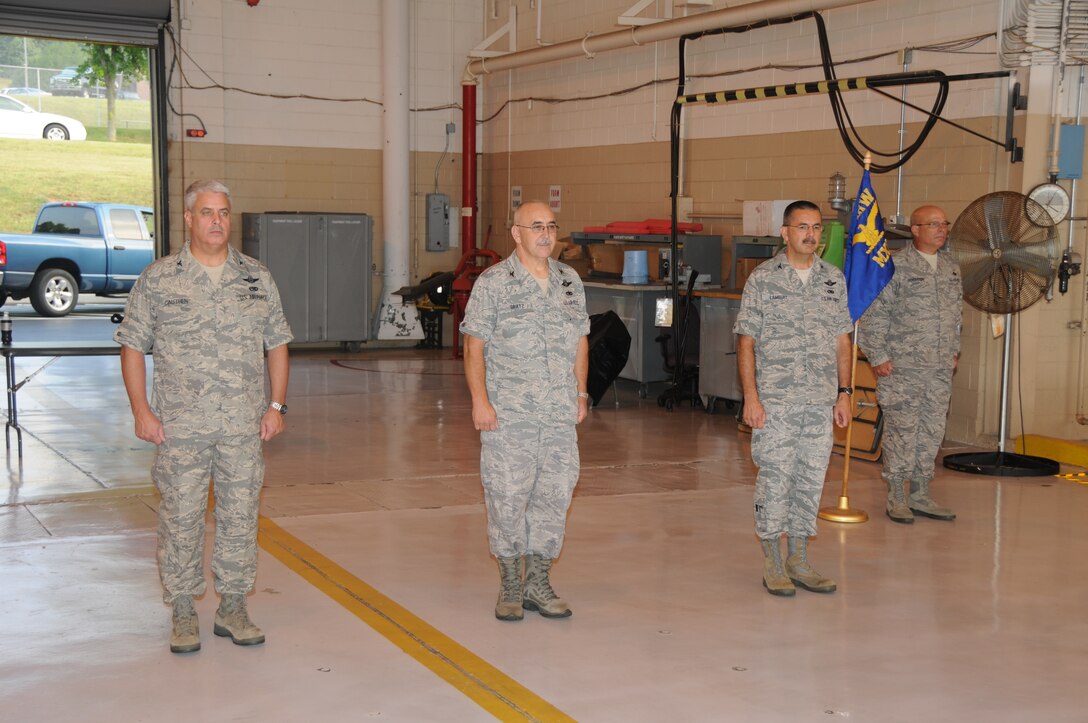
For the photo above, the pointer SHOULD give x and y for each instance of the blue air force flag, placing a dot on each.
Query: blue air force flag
(868, 265)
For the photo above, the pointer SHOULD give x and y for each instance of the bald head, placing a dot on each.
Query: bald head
(929, 226)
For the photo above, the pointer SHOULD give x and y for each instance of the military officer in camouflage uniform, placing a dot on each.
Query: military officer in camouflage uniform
(208, 314)
(526, 362)
(793, 348)
(911, 334)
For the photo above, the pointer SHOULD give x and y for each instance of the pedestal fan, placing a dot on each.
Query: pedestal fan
(1008, 251)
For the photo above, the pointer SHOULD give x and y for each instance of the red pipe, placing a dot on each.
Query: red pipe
(469, 267)
(468, 163)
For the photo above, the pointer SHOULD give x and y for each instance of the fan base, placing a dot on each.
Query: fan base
(1002, 464)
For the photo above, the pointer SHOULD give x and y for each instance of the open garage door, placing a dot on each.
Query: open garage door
(111, 22)
(128, 22)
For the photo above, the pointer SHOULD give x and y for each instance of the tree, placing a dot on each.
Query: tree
(109, 65)
(43, 58)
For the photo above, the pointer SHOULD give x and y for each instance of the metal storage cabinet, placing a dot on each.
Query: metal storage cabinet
(718, 377)
(321, 265)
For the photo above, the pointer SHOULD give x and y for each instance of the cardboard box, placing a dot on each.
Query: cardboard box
(580, 265)
(763, 218)
(572, 252)
(754, 221)
(745, 267)
(606, 259)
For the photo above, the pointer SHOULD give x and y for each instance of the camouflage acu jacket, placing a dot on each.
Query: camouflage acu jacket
(208, 341)
(795, 328)
(916, 320)
(530, 339)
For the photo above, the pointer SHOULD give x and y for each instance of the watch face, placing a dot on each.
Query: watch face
(1051, 204)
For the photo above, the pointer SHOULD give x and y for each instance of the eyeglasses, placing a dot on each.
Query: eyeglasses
(538, 228)
(935, 225)
(805, 228)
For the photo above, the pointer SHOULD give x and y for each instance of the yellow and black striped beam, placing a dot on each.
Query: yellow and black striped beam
(825, 86)
(774, 91)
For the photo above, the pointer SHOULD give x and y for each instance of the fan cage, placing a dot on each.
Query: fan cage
(1007, 258)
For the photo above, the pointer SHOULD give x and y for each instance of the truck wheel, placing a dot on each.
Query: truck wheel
(55, 132)
(53, 292)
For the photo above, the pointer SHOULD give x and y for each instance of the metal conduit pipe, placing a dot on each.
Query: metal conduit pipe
(589, 46)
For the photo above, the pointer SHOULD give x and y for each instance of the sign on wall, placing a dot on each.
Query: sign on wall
(555, 198)
(515, 197)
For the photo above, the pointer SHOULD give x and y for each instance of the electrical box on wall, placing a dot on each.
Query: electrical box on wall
(438, 222)
(1071, 151)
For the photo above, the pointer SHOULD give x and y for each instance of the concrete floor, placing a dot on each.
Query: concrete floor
(376, 590)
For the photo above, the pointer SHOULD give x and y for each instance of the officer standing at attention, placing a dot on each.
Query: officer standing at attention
(911, 334)
(208, 314)
(526, 362)
(793, 345)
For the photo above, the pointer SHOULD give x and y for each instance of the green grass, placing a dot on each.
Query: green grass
(124, 135)
(33, 172)
(91, 112)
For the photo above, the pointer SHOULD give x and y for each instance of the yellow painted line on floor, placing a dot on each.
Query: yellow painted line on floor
(489, 687)
(1081, 477)
(1067, 451)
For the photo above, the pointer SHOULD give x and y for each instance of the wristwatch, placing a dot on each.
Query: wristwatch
(583, 395)
(846, 390)
(281, 408)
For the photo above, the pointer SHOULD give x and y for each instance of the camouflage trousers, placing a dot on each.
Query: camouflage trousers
(915, 407)
(792, 451)
(528, 470)
(181, 473)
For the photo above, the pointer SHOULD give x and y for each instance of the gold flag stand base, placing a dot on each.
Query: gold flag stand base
(843, 513)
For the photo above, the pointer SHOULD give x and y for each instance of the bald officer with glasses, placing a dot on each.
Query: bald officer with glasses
(911, 334)
(793, 354)
(526, 362)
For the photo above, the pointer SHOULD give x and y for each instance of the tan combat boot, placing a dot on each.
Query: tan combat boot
(539, 595)
(774, 577)
(897, 508)
(510, 594)
(801, 572)
(921, 503)
(185, 628)
(232, 621)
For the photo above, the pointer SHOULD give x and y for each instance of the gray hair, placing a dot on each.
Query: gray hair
(206, 186)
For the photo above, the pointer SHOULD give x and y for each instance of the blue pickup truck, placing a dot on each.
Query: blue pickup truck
(95, 248)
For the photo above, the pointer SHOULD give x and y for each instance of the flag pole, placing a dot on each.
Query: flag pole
(843, 512)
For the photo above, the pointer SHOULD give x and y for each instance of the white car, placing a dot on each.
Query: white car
(19, 120)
